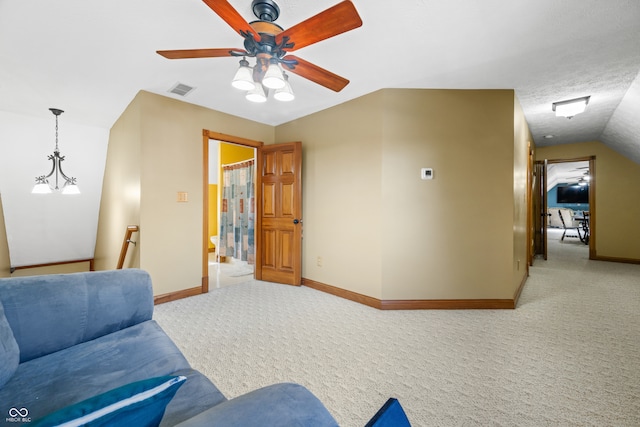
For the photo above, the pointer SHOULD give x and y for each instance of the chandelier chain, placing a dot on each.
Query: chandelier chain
(56, 133)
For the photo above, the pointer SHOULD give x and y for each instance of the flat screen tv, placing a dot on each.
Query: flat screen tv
(573, 194)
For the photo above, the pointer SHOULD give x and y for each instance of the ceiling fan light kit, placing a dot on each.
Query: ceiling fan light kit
(570, 107)
(285, 93)
(257, 94)
(273, 78)
(243, 79)
(270, 45)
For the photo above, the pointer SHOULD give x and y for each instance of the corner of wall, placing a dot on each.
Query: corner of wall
(120, 203)
(5, 261)
(522, 140)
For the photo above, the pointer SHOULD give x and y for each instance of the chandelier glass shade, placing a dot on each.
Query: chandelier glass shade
(257, 91)
(56, 180)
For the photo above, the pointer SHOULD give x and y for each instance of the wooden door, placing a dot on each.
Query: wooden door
(540, 208)
(531, 231)
(280, 215)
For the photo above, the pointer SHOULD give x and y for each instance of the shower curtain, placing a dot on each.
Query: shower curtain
(237, 212)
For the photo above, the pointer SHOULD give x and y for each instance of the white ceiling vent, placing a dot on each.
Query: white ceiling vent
(181, 89)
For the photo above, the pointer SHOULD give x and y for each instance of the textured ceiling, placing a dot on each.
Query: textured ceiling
(566, 173)
(91, 57)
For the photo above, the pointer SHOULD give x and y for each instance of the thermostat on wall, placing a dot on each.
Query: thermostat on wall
(426, 173)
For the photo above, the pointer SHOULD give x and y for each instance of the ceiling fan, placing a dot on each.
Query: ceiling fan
(270, 44)
(582, 179)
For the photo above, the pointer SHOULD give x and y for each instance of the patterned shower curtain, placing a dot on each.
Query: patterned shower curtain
(237, 213)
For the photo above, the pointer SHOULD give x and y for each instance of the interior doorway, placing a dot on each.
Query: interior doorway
(278, 210)
(227, 258)
(231, 212)
(566, 207)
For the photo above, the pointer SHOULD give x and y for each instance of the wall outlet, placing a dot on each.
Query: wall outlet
(319, 261)
(426, 173)
(183, 197)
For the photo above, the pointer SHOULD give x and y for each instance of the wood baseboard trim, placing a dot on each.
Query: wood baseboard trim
(342, 293)
(516, 296)
(172, 296)
(91, 262)
(615, 259)
(450, 304)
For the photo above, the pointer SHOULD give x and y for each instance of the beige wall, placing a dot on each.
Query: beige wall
(342, 197)
(522, 142)
(617, 206)
(170, 149)
(383, 232)
(120, 203)
(450, 237)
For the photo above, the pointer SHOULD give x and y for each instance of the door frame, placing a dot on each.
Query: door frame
(592, 198)
(539, 210)
(530, 220)
(206, 136)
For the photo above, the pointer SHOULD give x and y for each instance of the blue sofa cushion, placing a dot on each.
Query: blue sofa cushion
(60, 379)
(9, 351)
(140, 404)
(67, 309)
(390, 415)
(196, 396)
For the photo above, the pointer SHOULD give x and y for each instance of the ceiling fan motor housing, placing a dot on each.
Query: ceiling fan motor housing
(265, 10)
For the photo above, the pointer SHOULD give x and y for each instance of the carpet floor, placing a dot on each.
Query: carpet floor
(568, 355)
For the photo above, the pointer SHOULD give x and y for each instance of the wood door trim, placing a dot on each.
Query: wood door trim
(593, 224)
(592, 199)
(222, 137)
(184, 293)
(208, 134)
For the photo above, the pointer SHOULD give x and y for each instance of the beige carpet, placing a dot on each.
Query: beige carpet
(569, 355)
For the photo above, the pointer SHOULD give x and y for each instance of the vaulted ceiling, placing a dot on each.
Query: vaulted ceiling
(91, 57)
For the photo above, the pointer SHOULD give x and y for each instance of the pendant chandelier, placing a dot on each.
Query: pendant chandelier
(43, 184)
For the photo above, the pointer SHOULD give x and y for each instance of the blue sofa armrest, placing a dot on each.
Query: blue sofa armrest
(286, 405)
(54, 312)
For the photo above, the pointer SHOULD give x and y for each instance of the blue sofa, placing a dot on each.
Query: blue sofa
(67, 338)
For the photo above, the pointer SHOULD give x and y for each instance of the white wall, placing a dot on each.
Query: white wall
(50, 227)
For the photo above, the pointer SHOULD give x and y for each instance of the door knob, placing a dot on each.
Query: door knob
(296, 221)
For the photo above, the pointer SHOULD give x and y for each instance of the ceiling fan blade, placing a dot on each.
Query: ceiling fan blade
(336, 20)
(231, 16)
(199, 53)
(316, 74)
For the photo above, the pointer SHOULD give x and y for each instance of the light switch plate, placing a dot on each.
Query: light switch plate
(426, 173)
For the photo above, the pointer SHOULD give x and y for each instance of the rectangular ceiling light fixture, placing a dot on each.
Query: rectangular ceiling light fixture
(570, 107)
